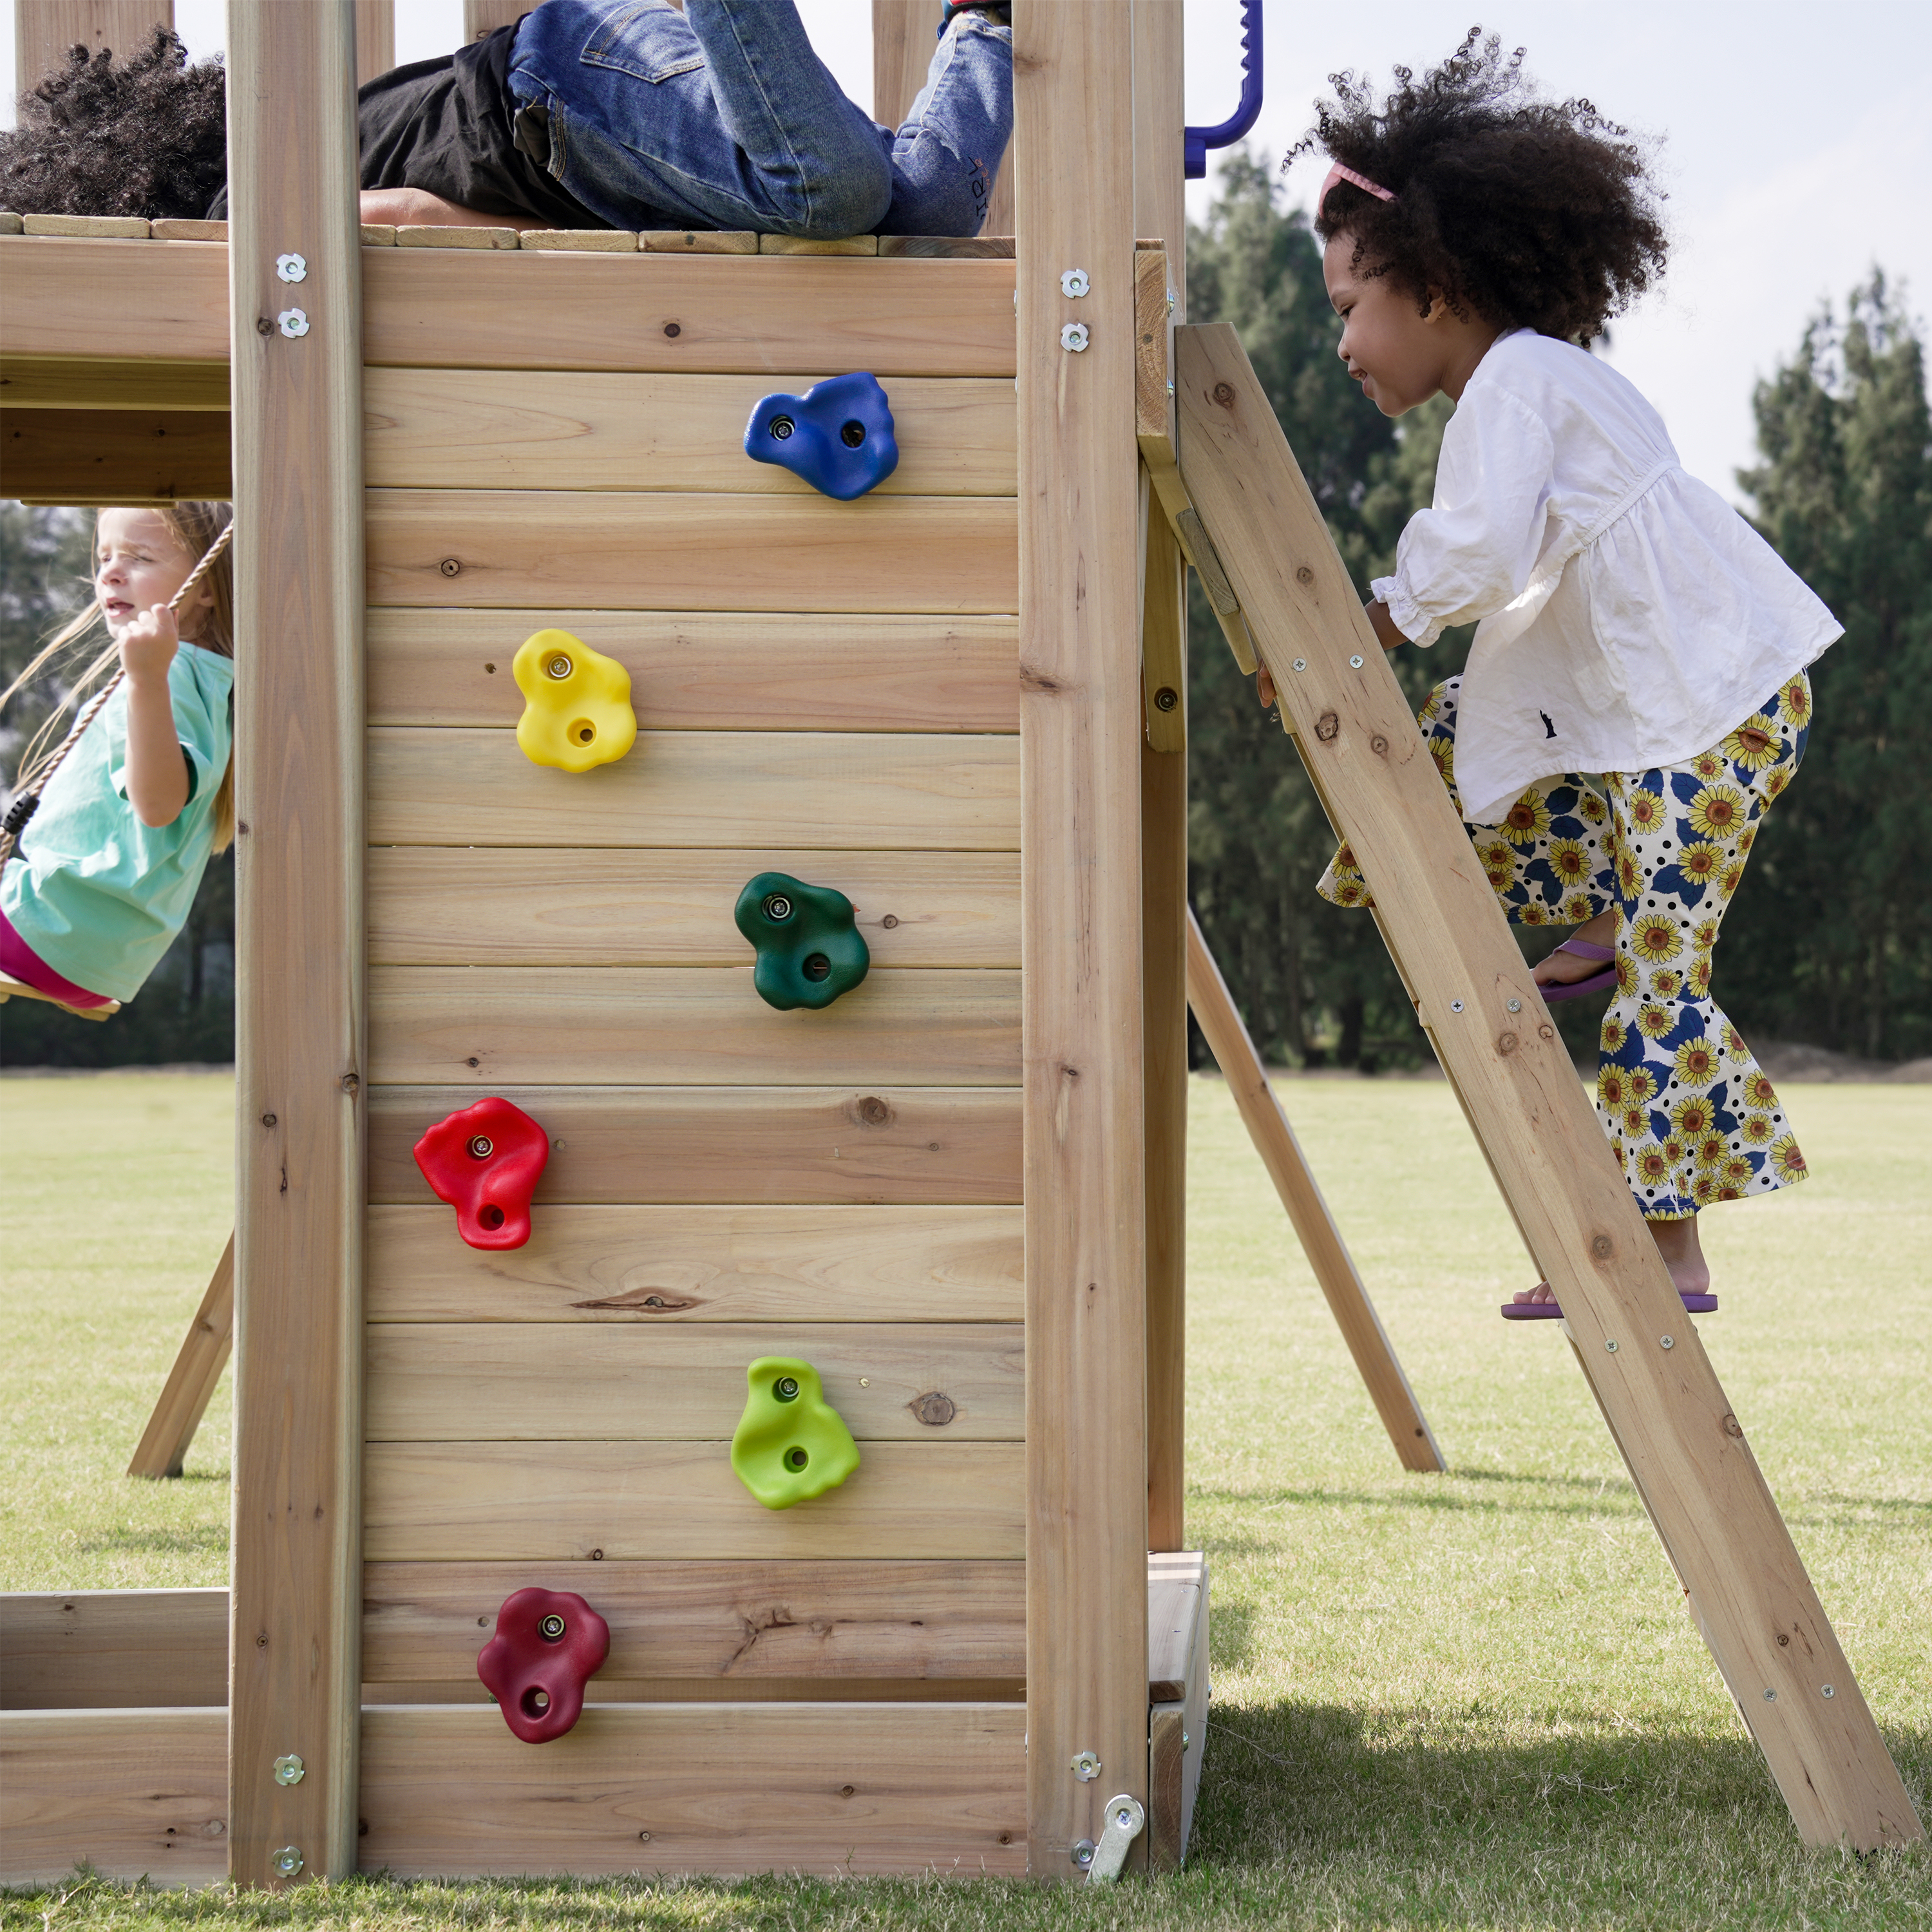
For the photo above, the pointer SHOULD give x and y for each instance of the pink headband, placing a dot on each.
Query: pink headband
(1339, 173)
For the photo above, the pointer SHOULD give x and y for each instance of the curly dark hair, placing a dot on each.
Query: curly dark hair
(147, 136)
(1535, 214)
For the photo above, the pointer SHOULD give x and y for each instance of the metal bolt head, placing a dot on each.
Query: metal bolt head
(292, 322)
(1666, 1342)
(551, 1628)
(1827, 1691)
(781, 428)
(481, 1147)
(290, 1770)
(1086, 1766)
(1455, 1006)
(1301, 664)
(287, 1861)
(1166, 698)
(1355, 663)
(1611, 1346)
(1771, 1696)
(777, 907)
(291, 268)
(1081, 1852)
(1514, 1006)
(1073, 338)
(1074, 282)
(786, 1388)
(559, 666)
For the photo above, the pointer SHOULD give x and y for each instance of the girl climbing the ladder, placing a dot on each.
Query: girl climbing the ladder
(112, 827)
(1631, 623)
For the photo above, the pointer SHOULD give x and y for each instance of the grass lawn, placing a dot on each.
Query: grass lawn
(1468, 1701)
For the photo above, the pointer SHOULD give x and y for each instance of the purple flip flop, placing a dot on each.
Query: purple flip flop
(1575, 989)
(1548, 1311)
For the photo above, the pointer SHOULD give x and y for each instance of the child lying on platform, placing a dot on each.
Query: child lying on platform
(1631, 623)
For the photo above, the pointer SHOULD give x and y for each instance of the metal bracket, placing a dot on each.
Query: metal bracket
(1125, 1820)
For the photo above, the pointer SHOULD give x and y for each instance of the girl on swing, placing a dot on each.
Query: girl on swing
(105, 864)
(1630, 624)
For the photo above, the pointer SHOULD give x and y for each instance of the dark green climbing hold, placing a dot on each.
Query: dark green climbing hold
(809, 949)
(791, 1444)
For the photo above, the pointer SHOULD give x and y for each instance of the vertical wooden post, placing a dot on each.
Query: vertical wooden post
(294, 1660)
(485, 16)
(1081, 733)
(1159, 211)
(375, 38)
(43, 30)
(902, 44)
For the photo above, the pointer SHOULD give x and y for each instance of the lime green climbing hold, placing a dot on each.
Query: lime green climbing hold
(791, 1444)
(810, 949)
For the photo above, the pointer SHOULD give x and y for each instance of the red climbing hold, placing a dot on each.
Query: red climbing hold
(549, 1644)
(486, 1161)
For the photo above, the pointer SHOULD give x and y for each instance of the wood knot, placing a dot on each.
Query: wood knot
(450, 567)
(1379, 745)
(1224, 393)
(1546, 1033)
(1733, 1427)
(1328, 727)
(874, 1112)
(673, 329)
(1507, 1044)
(1304, 577)
(1602, 1247)
(933, 1408)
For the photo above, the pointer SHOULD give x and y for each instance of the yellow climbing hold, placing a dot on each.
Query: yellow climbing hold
(577, 711)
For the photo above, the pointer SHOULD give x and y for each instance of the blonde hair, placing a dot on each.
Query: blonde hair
(194, 527)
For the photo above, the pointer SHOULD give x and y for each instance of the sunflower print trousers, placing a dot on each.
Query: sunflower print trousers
(1693, 1116)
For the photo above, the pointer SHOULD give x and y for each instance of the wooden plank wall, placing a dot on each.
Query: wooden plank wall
(829, 689)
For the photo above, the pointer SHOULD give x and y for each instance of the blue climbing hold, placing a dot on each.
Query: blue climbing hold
(838, 435)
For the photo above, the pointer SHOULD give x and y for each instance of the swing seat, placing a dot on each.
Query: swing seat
(11, 989)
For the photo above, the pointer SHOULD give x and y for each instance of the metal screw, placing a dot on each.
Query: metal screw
(481, 1147)
(1771, 1696)
(559, 667)
(290, 1770)
(1514, 1006)
(288, 1860)
(786, 1388)
(1187, 1742)
(1612, 1346)
(1301, 664)
(1455, 1006)
(1170, 389)
(291, 268)
(292, 322)
(551, 1628)
(1086, 1766)
(777, 907)
(781, 428)
(1074, 282)
(1166, 698)
(1081, 1852)
(1826, 1690)
(1356, 663)
(1170, 302)
(1665, 1341)
(1073, 337)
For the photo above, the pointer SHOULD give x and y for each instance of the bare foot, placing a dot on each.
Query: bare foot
(1563, 969)
(1676, 1242)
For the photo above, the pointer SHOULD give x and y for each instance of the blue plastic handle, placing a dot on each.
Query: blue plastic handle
(1196, 141)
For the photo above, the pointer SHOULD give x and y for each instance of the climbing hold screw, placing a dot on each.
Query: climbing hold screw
(1073, 338)
(559, 666)
(777, 907)
(481, 1147)
(781, 428)
(290, 1770)
(786, 1388)
(551, 1628)
(287, 1861)
(1166, 698)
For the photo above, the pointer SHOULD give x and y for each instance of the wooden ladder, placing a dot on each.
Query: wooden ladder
(1686, 1450)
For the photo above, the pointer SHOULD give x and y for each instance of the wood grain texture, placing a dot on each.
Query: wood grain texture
(50, 301)
(115, 456)
(1086, 1230)
(656, 1265)
(712, 671)
(87, 382)
(1177, 1725)
(701, 314)
(1687, 1453)
(43, 31)
(1160, 108)
(136, 1794)
(799, 1146)
(180, 228)
(190, 1387)
(1328, 1258)
(676, 1026)
(433, 235)
(954, 555)
(431, 905)
(479, 429)
(298, 568)
(841, 1789)
(84, 1649)
(825, 790)
(554, 1502)
(697, 241)
(606, 1689)
(585, 241)
(741, 1623)
(509, 1382)
(375, 38)
(116, 227)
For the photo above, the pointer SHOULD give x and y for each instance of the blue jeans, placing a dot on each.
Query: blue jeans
(722, 117)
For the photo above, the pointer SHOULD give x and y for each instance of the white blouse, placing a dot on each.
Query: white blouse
(1629, 616)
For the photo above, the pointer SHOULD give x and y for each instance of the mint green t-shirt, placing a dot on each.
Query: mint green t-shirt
(97, 895)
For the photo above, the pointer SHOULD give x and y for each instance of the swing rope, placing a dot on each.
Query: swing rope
(27, 799)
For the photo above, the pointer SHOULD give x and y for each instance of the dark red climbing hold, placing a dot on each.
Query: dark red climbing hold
(486, 1162)
(549, 1644)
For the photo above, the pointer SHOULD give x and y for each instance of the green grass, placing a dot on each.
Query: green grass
(1469, 1701)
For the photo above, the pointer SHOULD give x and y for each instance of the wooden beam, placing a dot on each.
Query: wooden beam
(375, 38)
(1328, 1257)
(172, 299)
(78, 382)
(115, 456)
(190, 1387)
(299, 895)
(44, 30)
(88, 1649)
(1160, 205)
(1178, 1686)
(1086, 1183)
(1687, 1452)
(902, 48)
(482, 17)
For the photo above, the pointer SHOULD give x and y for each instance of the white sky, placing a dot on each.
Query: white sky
(1797, 147)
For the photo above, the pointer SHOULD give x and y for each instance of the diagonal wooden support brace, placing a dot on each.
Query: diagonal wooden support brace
(1686, 1450)
(184, 1401)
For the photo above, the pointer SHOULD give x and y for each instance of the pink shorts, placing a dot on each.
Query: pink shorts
(18, 961)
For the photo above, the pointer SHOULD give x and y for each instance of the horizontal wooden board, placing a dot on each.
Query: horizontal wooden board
(78, 383)
(657, 1265)
(711, 670)
(746, 1622)
(795, 790)
(442, 905)
(431, 1502)
(673, 551)
(488, 429)
(135, 1793)
(507, 1382)
(744, 1145)
(174, 299)
(841, 1789)
(85, 1649)
(115, 456)
(697, 314)
(606, 1689)
(699, 1026)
